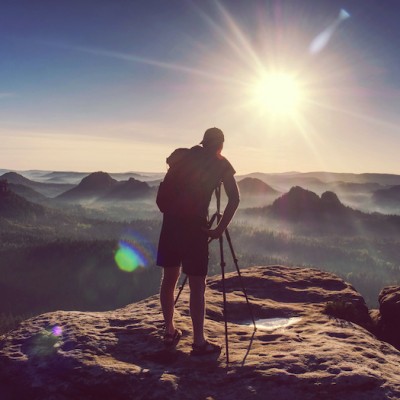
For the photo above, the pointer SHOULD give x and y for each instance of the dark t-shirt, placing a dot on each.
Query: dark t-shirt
(203, 172)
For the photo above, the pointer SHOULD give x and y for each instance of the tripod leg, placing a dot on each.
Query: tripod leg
(221, 249)
(180, 290)
(235, 260)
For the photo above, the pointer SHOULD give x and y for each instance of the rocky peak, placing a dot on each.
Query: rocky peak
(299, 203)
(14, 177)
(97, 180)
(330, 201)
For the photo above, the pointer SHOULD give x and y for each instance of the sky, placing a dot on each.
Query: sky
(117, 85)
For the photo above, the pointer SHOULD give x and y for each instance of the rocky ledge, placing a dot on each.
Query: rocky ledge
(298, 351)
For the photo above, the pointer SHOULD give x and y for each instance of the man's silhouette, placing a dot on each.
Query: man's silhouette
(184, 237)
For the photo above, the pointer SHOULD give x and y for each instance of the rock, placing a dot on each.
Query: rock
(387, 320)
(389, 304)
(119, 355)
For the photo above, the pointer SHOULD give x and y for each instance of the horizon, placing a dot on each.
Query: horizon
(294, 86)
(32, 170)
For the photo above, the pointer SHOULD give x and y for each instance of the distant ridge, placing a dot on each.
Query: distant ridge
(101, 186)
(301, 203)
(255, 187)
(14, 177)
(91, 187)
(299, 178)
(304, 210)
(128, 190)
(46, 189)
(389, 197)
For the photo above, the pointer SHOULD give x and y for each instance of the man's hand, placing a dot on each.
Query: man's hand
(214, 233)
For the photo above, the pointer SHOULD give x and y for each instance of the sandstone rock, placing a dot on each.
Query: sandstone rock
(387, 320)
(119, 354)
(389, 304)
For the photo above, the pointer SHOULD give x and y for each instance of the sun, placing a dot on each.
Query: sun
(277, 93)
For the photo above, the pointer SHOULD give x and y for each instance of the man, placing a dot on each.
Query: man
(185, 233)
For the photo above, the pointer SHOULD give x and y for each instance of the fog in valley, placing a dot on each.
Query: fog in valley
(79, 241)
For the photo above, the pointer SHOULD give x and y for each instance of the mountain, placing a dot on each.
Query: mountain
(128, 190)
(300, 203)
(28, 193)
(14, 177)
(91, 187)
(46, 189)
(255, 187)
(306, 212)
(312, 342)
(15, 207)
(100, 186)
(255, 193)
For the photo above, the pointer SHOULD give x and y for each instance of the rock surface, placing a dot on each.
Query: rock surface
(387, 319)
(119, 354)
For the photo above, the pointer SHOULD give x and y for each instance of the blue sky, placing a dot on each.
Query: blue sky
(117, 85)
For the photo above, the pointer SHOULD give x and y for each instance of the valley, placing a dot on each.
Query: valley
(62, 242)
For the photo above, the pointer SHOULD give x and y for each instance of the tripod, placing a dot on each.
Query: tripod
(217, 217)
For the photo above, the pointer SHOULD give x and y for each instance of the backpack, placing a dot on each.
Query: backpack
(183, 190)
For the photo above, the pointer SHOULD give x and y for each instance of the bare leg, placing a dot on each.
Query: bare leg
(167, 290)
(197, 307)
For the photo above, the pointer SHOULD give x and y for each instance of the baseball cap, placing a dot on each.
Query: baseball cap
(213, 135)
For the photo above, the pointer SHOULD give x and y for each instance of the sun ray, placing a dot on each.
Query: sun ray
(307, 131)
(362, 117)
(246, 46)
(148, 61)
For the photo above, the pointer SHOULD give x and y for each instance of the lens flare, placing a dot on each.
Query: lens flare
(133, 252)
(325, 36)
(57, 330)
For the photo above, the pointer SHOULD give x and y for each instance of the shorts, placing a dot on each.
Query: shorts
(183, 242)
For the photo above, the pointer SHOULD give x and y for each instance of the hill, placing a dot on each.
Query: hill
(100, 186)
(298, 351)
(255, 193)
(129, 190)
(28, 193)
(305, 211)
(300, 203)
(17, 208)
(25, 223)
(91, 187)
(46, 189)
(255, 187)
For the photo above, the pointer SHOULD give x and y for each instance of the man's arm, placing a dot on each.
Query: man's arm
(232, 191)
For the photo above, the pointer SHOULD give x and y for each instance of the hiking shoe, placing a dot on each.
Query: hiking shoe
(172, 339)
(205, 349)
